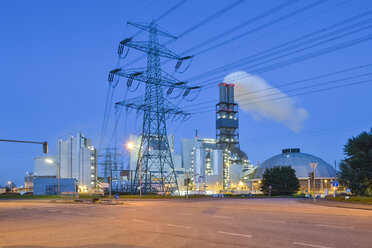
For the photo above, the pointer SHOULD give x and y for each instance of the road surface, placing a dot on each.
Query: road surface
(180, 223)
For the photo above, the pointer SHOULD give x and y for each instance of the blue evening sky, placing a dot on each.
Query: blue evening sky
(56, 55)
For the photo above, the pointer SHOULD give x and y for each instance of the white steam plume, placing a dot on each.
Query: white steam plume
(254, 96)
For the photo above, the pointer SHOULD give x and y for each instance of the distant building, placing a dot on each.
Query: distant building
(29, 181)
(201, 160)
(133, 154)
(204, 160)
(78, 159)
(49, 185)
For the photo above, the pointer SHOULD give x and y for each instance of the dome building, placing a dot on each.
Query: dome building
(300, 162)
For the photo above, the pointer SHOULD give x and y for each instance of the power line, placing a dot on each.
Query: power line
(166, 13)
(283, 46)
(170, 10)
(198, 25)
(298, 82)
(211, 18)
(142, 10)
(327, 130)
(293, 13)
(299, 94)
(242, 25)
(339, 4)
(301, 58)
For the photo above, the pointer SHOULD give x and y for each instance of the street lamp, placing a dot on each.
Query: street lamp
(131, 146)
(50, 161)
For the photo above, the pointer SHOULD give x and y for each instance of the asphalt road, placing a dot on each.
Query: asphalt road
(181, 223)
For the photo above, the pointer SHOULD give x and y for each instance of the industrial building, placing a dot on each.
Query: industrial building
(203, 159)
(78, 159)
(50, 185)
(300, 162)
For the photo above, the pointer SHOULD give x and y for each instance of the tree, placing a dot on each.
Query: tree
(282, 179)
(356, 168)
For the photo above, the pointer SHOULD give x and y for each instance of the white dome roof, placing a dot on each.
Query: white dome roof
(300, 162)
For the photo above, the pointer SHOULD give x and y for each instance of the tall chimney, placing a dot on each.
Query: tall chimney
(230, 93)
(222, 88)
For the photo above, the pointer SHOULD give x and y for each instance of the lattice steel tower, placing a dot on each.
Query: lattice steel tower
(155, 160)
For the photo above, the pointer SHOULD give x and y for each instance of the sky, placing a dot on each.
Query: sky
(56, 55)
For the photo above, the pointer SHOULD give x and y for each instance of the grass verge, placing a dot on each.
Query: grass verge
(354, 199)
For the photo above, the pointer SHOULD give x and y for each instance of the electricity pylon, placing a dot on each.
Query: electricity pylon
(155, 168)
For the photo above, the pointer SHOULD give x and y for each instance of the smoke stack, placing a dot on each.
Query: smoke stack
(230, 93)
(222, 87)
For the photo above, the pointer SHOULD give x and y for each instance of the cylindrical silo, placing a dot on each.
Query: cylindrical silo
(216, 162)
(230, 93)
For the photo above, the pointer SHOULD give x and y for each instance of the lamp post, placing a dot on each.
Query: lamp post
(50, 161)
(313, 165)
(9, 186)
(131, 146)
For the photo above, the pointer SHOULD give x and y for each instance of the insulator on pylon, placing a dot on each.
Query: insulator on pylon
(178, 65)
(136, 74)
(187, 57)
(170, 90)
(111, 77)
(186, 92)
(125, 41)
(194, 87)
(120, 49)
(130, 81)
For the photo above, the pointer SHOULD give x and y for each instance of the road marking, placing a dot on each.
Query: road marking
(171, 225)
(344, 227)
(275, 221)
(66, 212)
(310, 245)
(139, 221)
(110, 217)
(53, 211)
(84, 214)
(222, 216)
(236, 234)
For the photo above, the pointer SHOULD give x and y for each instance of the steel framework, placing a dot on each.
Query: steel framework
(155, 168)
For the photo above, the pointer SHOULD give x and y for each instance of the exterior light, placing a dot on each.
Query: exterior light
(49, 161)
(130, 145)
